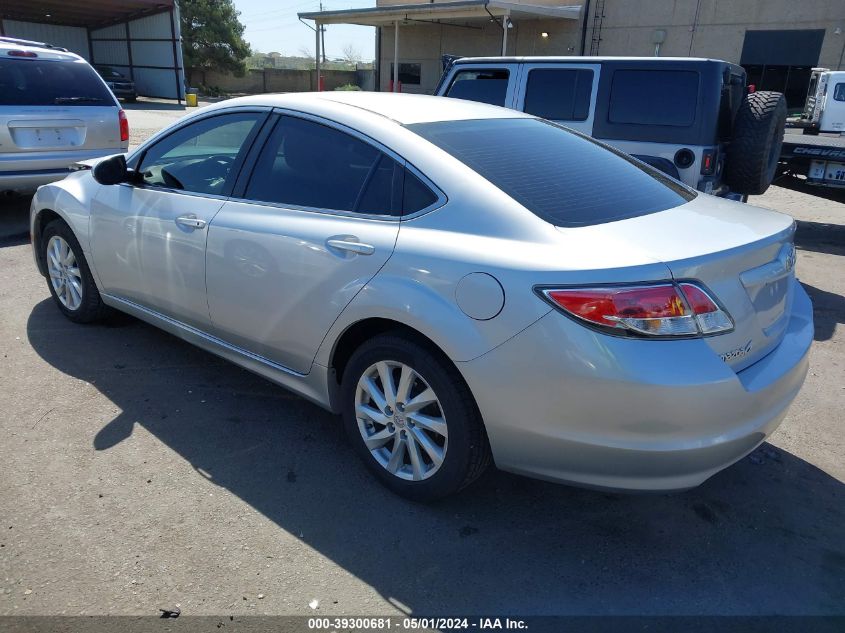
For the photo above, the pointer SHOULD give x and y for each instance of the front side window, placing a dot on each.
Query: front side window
(199, 157)
(839, 92)
(654, 97)
(307, 164)
(35, 82)
(484, 86)
(563, 177)
(559, 94)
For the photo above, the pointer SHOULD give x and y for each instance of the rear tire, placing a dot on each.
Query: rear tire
(68, 276)
(755, 149)
(394, 435)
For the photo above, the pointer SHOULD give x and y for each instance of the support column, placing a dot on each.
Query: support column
(505, 21)
(317, 30)
(396, 56)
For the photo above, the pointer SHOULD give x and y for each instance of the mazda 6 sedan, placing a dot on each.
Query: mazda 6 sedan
(464, 284)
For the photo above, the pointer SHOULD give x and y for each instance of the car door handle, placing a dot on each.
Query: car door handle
(191, 222)
(352, 247)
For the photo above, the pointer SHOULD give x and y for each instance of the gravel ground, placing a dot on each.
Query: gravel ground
(141, 473)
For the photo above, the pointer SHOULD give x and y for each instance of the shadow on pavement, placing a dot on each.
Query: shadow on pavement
(828, 310)
(821, 237)
(14, 220)
(144, 104)
(763, 537)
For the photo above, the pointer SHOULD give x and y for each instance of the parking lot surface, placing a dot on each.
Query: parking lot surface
(141, 473)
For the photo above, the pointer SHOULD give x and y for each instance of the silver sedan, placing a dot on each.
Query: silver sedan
(464, 284)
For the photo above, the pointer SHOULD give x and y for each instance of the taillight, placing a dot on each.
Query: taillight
(708, 162)
(665, 309)
(17, 53)
(124, 126)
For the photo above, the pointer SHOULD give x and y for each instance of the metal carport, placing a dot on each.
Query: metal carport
(140, 38)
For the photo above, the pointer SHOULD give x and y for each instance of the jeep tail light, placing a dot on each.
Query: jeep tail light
(708, 162)
(17, 53)
(656, 310)
(124, 126)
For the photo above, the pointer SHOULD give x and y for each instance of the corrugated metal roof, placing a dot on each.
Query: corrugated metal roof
(82, 12)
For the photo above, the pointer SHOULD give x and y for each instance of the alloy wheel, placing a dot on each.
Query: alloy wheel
(64, 272)
(401, 420)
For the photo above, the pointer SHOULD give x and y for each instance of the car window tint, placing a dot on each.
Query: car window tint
(559, 94)
(654, 97)
(199, 157)
(485, 86)
(839, 92)
(416, 195)
(380, 195)
(32, 82)
(563, 177)
(307, 164)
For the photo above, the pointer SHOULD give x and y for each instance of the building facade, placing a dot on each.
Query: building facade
(777, 41)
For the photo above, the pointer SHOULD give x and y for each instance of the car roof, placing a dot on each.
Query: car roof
(404, 109)
(42, 51)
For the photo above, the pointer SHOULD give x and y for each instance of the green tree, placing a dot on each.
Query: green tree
(212, 35)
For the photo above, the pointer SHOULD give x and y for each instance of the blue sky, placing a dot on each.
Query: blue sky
(273, 26)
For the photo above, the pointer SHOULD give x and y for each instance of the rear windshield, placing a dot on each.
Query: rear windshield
(563, 177)
(34, 82)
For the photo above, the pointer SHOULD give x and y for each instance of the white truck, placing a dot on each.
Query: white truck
(818, 153)
(824, 110)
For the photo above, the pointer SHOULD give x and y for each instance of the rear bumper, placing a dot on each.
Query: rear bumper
(564, 403)
(24, 172)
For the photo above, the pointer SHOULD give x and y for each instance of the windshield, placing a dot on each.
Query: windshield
(562, 176)
(34, 82)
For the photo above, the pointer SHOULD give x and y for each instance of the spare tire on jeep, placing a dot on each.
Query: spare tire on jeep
(757, 139)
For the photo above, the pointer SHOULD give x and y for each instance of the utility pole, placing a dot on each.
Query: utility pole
(323, 38)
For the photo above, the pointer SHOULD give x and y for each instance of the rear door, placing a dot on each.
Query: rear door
(52, 107)
(486, 83)
(564, 93)
(316, 218)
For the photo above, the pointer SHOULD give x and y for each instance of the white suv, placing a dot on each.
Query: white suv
(55, 110)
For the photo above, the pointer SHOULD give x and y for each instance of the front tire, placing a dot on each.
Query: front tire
(412, 418)
(68, 276)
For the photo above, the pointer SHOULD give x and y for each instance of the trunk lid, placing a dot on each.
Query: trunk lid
(744, 255)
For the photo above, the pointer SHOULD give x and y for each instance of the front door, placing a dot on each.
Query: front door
(148, 237)
(317, 219)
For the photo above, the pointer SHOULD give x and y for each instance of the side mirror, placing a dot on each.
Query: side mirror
(111, 171)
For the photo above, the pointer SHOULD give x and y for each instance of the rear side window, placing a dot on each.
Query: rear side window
(559, 94)
(307, 164)
(563, 177)
(34, 82)
(484, 86)
(654, 97)
(416, 195)
(839, 92)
